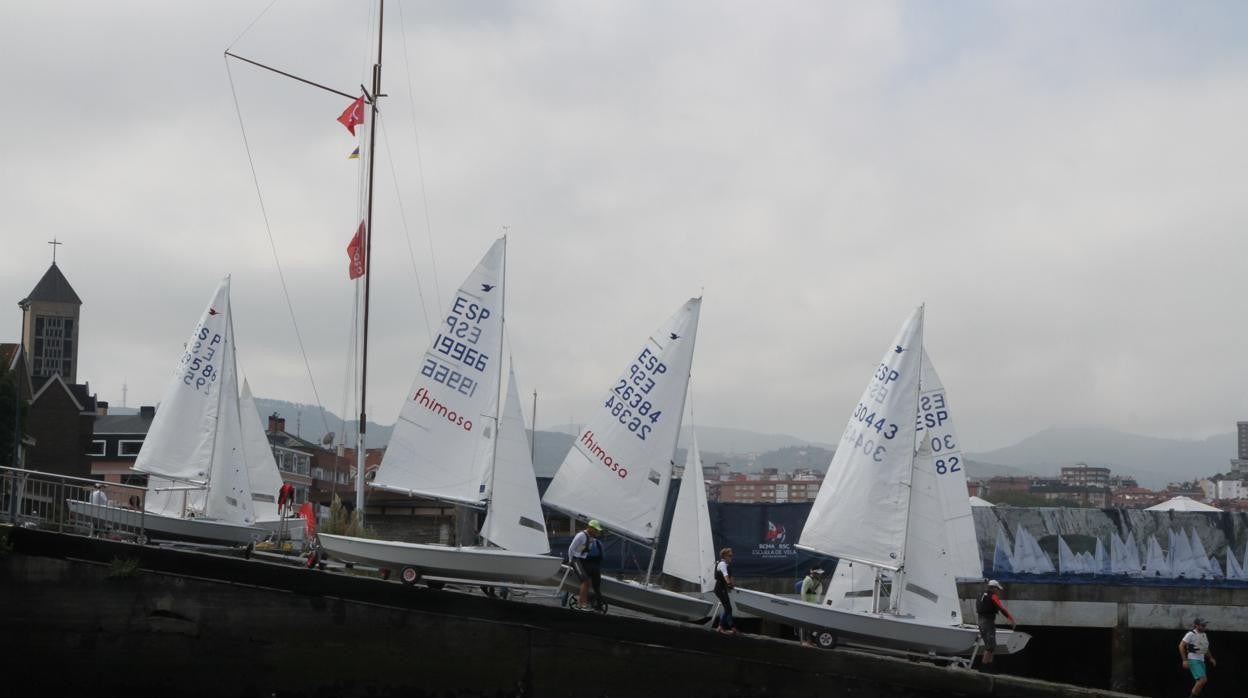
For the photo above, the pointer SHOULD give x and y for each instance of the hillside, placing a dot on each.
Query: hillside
(1153, 461)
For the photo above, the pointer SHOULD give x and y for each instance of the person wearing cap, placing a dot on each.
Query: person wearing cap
(987, 606)
(812, 587)
(99, 497)
(585, 554)
(1193, 649)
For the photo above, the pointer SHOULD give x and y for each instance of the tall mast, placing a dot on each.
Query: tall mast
(498, 403)
(368, 266)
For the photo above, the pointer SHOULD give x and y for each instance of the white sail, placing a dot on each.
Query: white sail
(851, 587)
(935, 430)
(620, 466)
(440, 444)
(1100, 558)
(266, 480)
(1001, 561)
(1233, 570)
(1155, 564)
(514, 517)
(869, 477)
(1132, 558)
(1067, 563)
(1183, 562)
(928, 589)
(180, 440)
(229, 483)
(690, 550)
(1202, 557)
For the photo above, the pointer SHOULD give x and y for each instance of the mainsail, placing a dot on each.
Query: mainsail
(196, 436)
(442, 441)
(180, 440)
(619, 469)
(690, 550)
(871, 473)
(514, 520)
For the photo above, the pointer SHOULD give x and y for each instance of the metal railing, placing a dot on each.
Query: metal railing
(68, 504)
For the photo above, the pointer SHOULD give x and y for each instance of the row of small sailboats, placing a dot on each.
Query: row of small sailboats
(1184, 558)
(894, 508)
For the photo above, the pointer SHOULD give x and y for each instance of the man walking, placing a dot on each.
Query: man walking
(987, 606)
(1193, 650)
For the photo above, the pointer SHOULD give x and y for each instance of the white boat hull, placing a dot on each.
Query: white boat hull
(872, 629)
(444, 562)
(295, 529)
(158, 526)
(651, 599)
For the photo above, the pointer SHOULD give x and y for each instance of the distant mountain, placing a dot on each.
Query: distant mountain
(306, 422)
(723, 440)
(1153, 461)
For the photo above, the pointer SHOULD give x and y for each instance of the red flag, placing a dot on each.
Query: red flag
(309, 518)
(355, 251)
(353, 115)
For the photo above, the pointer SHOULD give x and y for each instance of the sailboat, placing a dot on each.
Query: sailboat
(880, 510)
(263, 474)
(620, 466)
(199, 485)
(453, 444)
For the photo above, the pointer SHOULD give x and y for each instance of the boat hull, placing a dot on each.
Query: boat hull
(159, 526)
(649, 599)
(471, 564)
(872, 629)
(295, 529)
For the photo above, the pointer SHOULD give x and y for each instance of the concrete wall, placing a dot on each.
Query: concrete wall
(87, 626)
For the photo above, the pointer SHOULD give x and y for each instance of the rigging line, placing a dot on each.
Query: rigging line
(249, 26)
(411, 253)
(420, 165)
(268, 229)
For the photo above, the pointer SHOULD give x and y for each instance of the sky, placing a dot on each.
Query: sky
(1060, 182)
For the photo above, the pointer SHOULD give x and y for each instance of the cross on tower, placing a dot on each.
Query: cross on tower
(54, 243)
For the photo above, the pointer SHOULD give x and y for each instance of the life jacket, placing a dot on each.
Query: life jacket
(985, 606)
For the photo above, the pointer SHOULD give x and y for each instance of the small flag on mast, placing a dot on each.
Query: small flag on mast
(353, 115)
(355, 252)
(355, 154)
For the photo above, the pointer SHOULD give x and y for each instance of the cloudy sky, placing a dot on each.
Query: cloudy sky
(1061, 183)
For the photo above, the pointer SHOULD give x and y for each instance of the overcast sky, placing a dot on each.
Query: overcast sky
(1061, 183)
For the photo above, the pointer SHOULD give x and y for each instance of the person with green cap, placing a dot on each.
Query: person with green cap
(585, 554)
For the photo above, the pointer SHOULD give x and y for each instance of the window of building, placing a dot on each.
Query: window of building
(99, 448)
(129, 448)
(136, 479)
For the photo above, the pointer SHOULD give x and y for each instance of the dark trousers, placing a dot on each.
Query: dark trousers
(724, 619)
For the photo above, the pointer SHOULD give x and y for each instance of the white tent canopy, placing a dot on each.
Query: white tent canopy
(1182, 503)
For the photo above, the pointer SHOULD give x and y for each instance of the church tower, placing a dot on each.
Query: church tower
(50, 328)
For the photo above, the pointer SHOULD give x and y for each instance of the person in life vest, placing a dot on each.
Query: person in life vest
(585, 554)
(286, 499)
(987, 606)
(1194, 650)
(812, 587)
(723, 584)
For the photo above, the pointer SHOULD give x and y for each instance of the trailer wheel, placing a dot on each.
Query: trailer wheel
(825, 639)
(409, 576)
